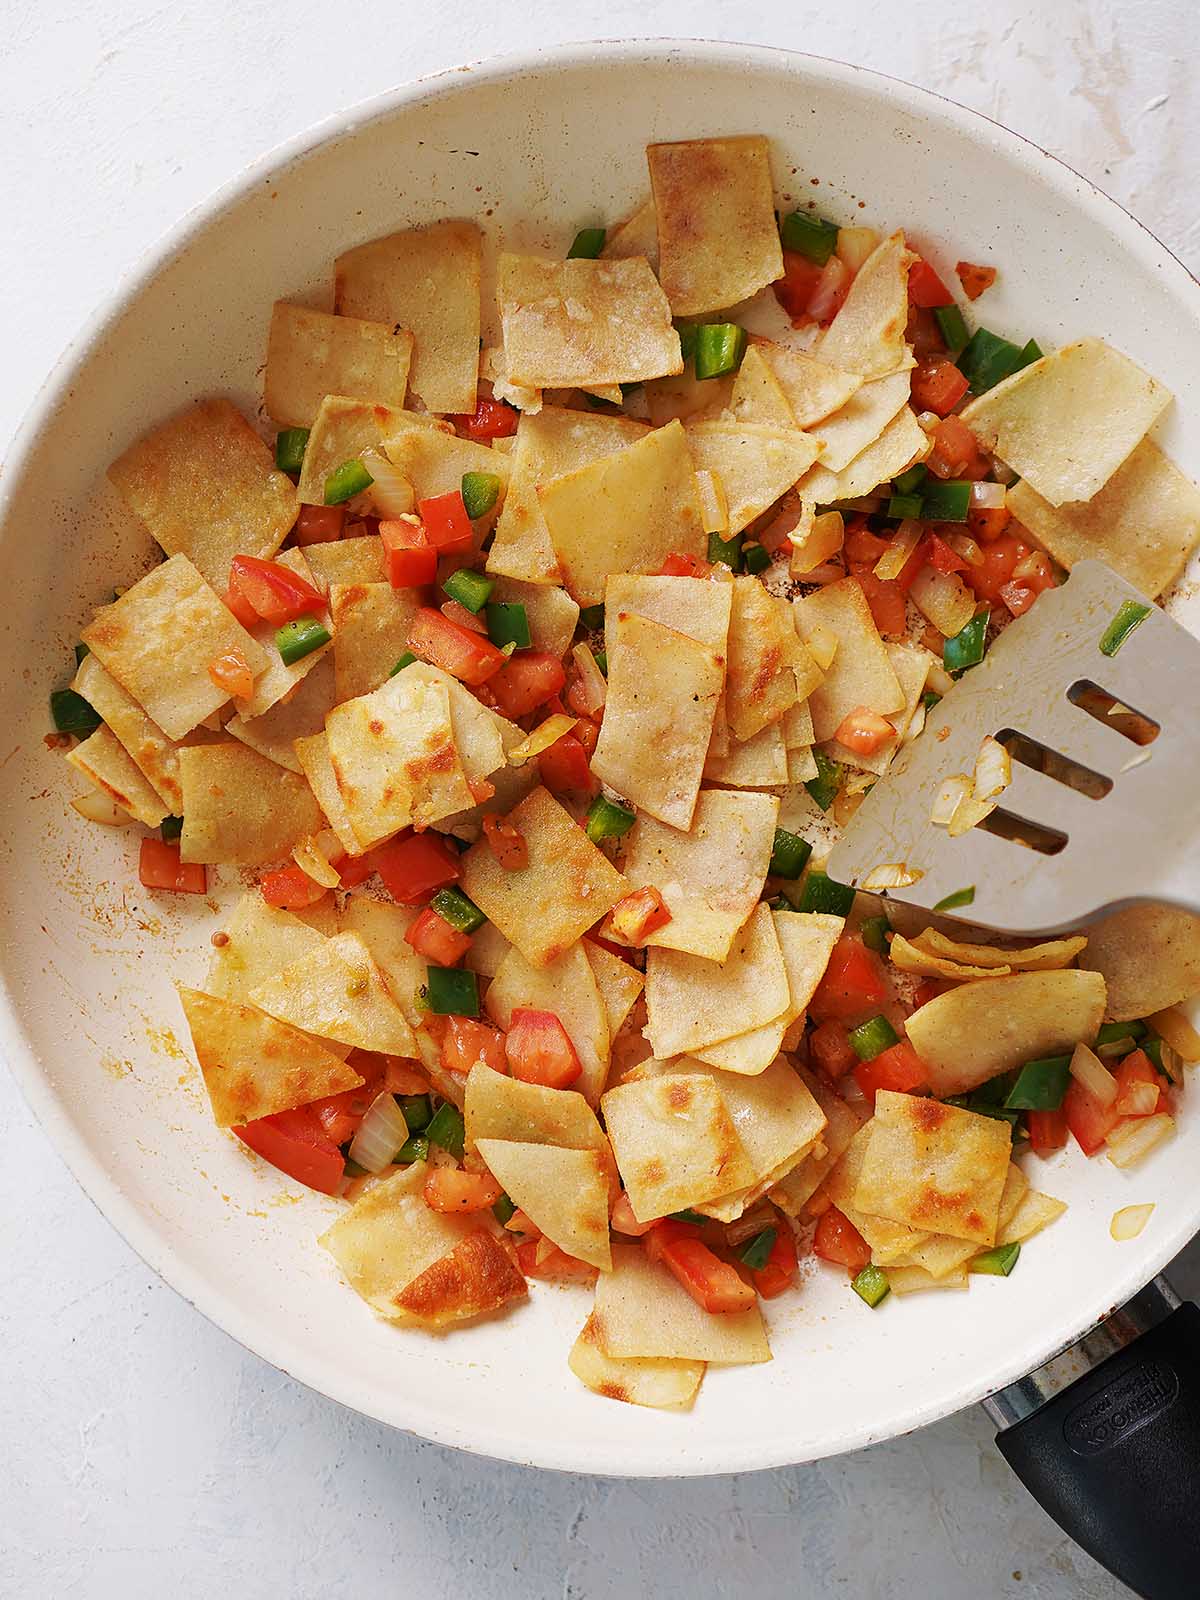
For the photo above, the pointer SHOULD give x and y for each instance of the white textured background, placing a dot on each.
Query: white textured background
(143, 1453)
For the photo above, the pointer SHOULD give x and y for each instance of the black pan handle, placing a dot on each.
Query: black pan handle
(1114, 1455)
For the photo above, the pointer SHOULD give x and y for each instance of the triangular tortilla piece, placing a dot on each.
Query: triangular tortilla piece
(426, 279)
(258, 941)
(814, 389)
(888, 1240)
(791, 1192)
(357, 559)
(550, 612)
(1148, 957)
(562, 1192)
(241, 808)
(914, 1280)
(797, 727)
(566, 987)
(636, 236)
(312, 753)
(206, 486)
(512, 785)
(692, 1002)
(710, 877)
(481, 736)
(337, 992)
(747, 1054)
(569, 884)
(644, 1312)
(151, 751)
(1035, 1212)
(371, 622)
(280, 678)
(584, 323)
(911, 664)
(499, 1107)
(342, 429)
(901, 445)
(1068, 421)
(624, 513)
(764, 663)
(801, 767)
(674, 1141)
(933, 1166)
(696, 607)
(104, 761)
(300, 715)
(662, 694)
(718, 241)
(942, 1254)
(861, 672)
(254, 1065)
(1145, 521)
(549, 445)
(756, 465)
(395, 759)
(661, 1384)
(760, 762)
(311, 354)
(389, 1236)
(435, 462)
(382, 927)
(619, 983)
(862, 419)
(867, 335)
(158, 639)
(757, 396)
(686, 396)
(488, 950)
(477, 1277)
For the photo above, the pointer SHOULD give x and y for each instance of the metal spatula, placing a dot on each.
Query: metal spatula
(1122, 729)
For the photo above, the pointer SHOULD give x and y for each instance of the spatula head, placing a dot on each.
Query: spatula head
(1105, 801)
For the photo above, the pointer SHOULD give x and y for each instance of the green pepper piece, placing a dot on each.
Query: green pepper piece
(299, 638)
(987, 360)
(697, 1217)
(875, 932)
(873, 1037)
(591, 618)
(953, 328)
(720, 347)
(959, 897)
(344, 482)
(290, 445)
(508, 623)
(997, 1263)
(447, 1129)
(1129, 616)
(823, 893)
(504, 1210)
(458, 909)
(72, 713)
(480, 491)
(755, 558)
(871, 1285)
(905, 507)
(726, 551)
(587, 244)
(809, 236)
(824, 787)
(417, 1109)
(469, 588)
(406, 660)
(758, 1252)
(452, 992)
(789, 854)
(170, 829)
(1041, 1085)
(966, 648)
(908, 481)
(607, 819)
(414, 1148)
(946, 500)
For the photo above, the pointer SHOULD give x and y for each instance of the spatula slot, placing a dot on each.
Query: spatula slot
(1053, 764)
(1113, 713)
(1019, 830)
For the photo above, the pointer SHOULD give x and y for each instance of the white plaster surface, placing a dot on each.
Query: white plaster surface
(143, 1453)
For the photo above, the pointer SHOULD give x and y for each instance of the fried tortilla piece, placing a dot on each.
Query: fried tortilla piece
(766, 672)
(912, 665)
(718, 240)
(692, 1002)
(158, 639)
(1068, 421)
(299, 715)
(567, 886)
(848, 432)
(311, 354)
(583, 323)
(980, 1029)
(1145, 521)
(636, 236)
(1034, 1212)
(692, 606)
(104, 761)
(258, 940)
(341, 431)
(760, 762)
(563, 1192)
(624, 513)
(1046, 957)
(1147, 958)
(550, 612)
(757, 396)
(312, 753)
(888, 1240)
(426, 279)
(756, 464)
(154, 755)
(619, 984)
(933, 1166)
(280, 678)
(675, 1142)
(915, 1280)
(861, 672)
(477, 1277)
(240, 808)
(371, 623)
(645, 1313)
(901, 445)
(382, 927)
(567, 987)
(503, 1108)
(357, 559)
(867, 335)
(254, 1065)
(337, 992)
(924, 963)
(942, 1254)
(206, 486)
(662, 1384)
(792, 1192)
(814, 389)
(435, 461)
(662, 695)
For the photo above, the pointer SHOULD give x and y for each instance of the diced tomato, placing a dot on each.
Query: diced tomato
(245, 613)
(996, 570)
(956, 451)
(831, 1050)
(1139, 1087)
(353, 870)
(491, 419)
(462, 654)
(941, 557)
(624, 1220)
(986, 523)
(899, 1068)
(830, 294)
(295, 1142)
(457, 613)
(839, 1241)
(159, 867)
(975, 279)
(678, 564)
(415, 865)
(639, 914)
(319, 524)
(447, 524)
(402, 1077)
(275, 592)
(340, 1114)
(1047, 1130)
(290, 888)
(526, 680)
(450, 1189)
(432, 936)
(520, 1223)
(551, 1262)
(862, 548)
(923, 333)
(588, 734)
(1017, 597)
(409, 558)
(853, 985)
(231, 672)
(711, 1282)
(780, 1270)
(885, 597)
(467, 1043)
(863, 731)
(539, 1049)
(564, 767)
(928, 989)
(937, 385)
(797, 286)
(925, 288)
(1089, 1120)
(506, 842)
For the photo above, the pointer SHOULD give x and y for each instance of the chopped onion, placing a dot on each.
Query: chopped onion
(822, 646)
(835, 277)
(1129, 1221)
(928, 421)
(944, 598)
(939, 680)
(1003, 473)
(591, 679)
(453, 612)
(949, 797)
(380, 1134)
(312, 857)
(1034, 565)
(97, 806)
(1090, 1072)
(391, 493)
(550, 732)
(993, 769)
(814, 540)
(963, 545)
(1138, 1099)
(916, 725)
(714, 507)
(752, 1221)
(988, 496)
(969, 814)
(1172, 1026)
(892, 875)
(854, 245)
(1131, 1142)
(895, 558)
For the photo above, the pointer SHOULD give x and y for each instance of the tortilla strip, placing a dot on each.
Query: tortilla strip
(889, 1241)
(911, 664)
(942, 1254)
(901, 444)
(550, 612)
(765, 667)
(299, 715)
(337, 992)
(342, 429)
(1068, 421)
(478, 1276)
(791, 1192)
(563, 1192)
(1148, 957)
(1035, 1212)
(145, 743)
(1046, 957)
(757, 396)
(311, 354)
(636, 236)
(696, 607)
(760, 762)
(692, 1003)
(499, 1107)
(643, 1312)
(371, 624)
(382, 927)
(357, 559)
(867, 335)
(239, 807)
(662, 1384)
(756, 465)
(435, 461)
(675, 1142)
(104, 761)
(861, 673)
(911, 958)
(814, 390)
(568, 988)
(620, 984)
(259, 940)
(312, 753)
(848, 432)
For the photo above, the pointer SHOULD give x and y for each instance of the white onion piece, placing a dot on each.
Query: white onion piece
(944, 598)
(312, 859)
(895, 558)
(950, 796)
(963, 545)
(714, 506)
(380, 1134)
(892, 875)
(928, 421)
(592, 680)
(854, 245)
(939, 680)
(542, 737)
(1003, 472)
(993, 769)
(916, 725)
(1172, 1026)
(1034, 565)
(1091, 1073)
(1129, 1221)
(1138, 1099)
(391, 493)
(988, 496)
(822, 645)
(97, 806)
(1132, 1142)
(969, 814)
(835, 276)
(814, 540)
